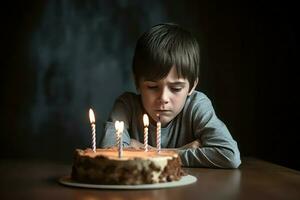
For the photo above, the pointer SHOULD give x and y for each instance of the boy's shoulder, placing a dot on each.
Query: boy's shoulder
(198, 100)
(197, 96)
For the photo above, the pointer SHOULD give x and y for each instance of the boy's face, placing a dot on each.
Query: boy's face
(165, 97)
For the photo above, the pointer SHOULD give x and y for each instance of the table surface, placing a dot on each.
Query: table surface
(255, 179)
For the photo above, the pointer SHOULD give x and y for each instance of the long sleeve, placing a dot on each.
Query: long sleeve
(196, 121)
(214, 157)
(218, 148)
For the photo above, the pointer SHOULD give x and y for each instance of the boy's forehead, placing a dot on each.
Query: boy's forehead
(172, 76)
(167, 80)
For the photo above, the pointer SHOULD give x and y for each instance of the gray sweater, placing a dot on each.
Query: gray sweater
(197, 120)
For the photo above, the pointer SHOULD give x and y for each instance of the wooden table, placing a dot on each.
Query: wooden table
(256, 179)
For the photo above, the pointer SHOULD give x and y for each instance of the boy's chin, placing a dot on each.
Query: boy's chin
(165, 121)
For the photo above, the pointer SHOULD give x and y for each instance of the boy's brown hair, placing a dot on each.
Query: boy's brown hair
(161, 48)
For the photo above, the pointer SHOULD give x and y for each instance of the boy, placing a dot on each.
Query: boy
(165, 67)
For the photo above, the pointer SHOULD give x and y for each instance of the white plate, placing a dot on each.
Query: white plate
(185, 180)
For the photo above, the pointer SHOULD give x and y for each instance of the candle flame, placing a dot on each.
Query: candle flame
(119, 126)
(92, 116)
(146, 120)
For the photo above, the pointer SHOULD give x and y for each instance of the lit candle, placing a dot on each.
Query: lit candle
(158, 133)
(119, 131)
(121, 127)
(146, 124)
(93, 124)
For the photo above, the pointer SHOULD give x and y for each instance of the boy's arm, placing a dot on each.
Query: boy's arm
(216, 147)
(214, 157)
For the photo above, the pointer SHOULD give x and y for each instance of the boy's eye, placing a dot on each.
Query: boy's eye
(152, 86)
(176, 89)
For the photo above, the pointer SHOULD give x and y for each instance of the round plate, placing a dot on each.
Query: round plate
(185, 180)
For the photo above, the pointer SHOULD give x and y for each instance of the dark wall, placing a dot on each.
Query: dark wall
(63, 57)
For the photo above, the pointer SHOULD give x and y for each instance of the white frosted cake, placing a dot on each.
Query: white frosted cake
(134, 167)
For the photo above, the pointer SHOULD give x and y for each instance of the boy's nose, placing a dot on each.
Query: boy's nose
(164, 98)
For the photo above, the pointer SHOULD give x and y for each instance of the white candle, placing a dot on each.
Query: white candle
(121, 138)
(93, 124)
(119, 131)
(158, 133)
(146, 124)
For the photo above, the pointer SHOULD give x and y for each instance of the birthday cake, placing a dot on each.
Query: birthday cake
(134, 167)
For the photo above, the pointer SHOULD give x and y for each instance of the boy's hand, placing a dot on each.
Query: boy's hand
(136, 144)
(193, 145)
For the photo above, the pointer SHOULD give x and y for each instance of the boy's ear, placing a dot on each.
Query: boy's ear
(193, 88)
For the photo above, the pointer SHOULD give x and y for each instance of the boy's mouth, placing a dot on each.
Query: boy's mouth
(162, 111)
